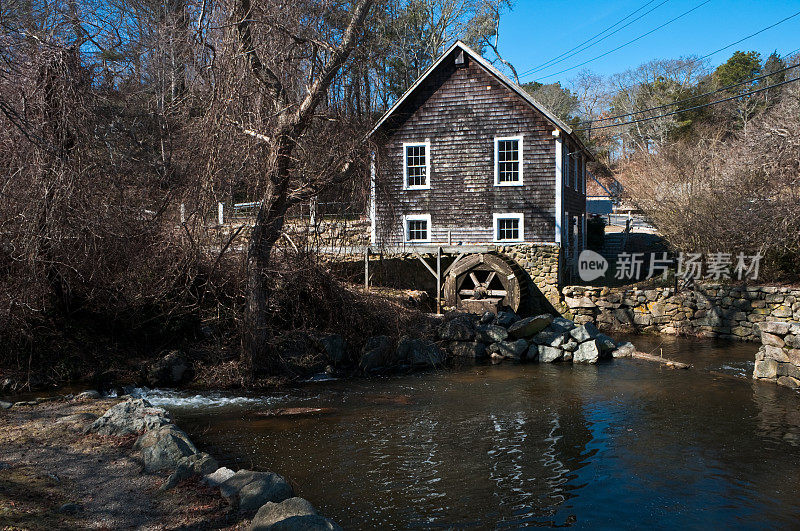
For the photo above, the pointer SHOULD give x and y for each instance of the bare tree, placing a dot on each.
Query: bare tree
(723, 193)
(294, 115)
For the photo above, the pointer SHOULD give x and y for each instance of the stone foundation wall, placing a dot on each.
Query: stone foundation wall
(540, 262)
(707, 311)
(778, 359)
(337, 233)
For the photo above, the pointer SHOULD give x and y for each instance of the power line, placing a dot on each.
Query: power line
(560, 58)
(695, 8)
(749, 36)
(688, 109)
(722, 89)
(762, 30)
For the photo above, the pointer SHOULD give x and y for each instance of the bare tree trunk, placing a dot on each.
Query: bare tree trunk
(266, 232)
(276, 202)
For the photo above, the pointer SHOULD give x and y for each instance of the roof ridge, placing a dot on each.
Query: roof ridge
(558, 122)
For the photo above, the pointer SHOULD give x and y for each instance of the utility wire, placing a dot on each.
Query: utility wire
(689, 108)
(722, 89)
(762, 30)
(751, 35)
(695, 8)
(560, 58)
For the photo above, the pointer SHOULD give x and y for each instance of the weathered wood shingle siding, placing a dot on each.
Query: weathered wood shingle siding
(460, 111)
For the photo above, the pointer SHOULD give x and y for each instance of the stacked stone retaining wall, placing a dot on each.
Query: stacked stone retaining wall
(778, 359)
(707, 311)
(540, 262)
(333, 233)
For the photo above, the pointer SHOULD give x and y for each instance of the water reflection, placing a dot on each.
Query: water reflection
(621, 444)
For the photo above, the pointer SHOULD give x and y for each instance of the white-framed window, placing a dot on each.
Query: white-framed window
(417, 228)
(508, 161)
(416, 165)
(509, 227)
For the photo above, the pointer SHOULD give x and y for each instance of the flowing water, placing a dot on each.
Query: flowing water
(621, 444)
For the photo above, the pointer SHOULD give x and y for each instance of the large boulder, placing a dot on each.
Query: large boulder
(305, 523)
(377, 354)
(218, 477)
(506, 318)
(490, 334)
(271, 513)
(467, 349)
(606, 344)
(459, 328)
(766, 369)
(626, 350)
(529, 326)
(131, 417)
(334, 347)
(508, 349)
(551, 336)
(163, 448)
(248, 490)
(419, 352)
(584, 332)
(200, 464)
(570, 346)
(171, 369)
(587, 352)
(563, 323)
(549, 354)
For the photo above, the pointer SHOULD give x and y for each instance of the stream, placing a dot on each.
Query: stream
(621, 444)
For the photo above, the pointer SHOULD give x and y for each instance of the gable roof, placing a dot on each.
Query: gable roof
(494, 72)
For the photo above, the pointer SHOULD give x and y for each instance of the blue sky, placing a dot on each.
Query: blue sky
(539, 30)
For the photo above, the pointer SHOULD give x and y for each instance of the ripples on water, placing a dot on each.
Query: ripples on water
(622, 444)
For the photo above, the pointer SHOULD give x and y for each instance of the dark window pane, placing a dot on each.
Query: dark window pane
(508, 229)
(417, 229)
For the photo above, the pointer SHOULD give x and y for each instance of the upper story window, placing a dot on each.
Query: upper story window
(508, 161)
(416, 165)
(508, 228)
(417, 228)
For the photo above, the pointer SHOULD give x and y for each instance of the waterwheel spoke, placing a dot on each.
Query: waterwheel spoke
(490, 278)
(497, 293)
(469, 292)
(475, 281)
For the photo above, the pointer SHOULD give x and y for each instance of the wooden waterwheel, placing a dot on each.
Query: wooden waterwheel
(485, 281)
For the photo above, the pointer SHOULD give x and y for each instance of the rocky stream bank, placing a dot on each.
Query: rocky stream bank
(110, 463)
(63, 466)
(505, 336)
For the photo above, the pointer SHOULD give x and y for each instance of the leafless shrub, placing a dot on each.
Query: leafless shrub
(727, 194)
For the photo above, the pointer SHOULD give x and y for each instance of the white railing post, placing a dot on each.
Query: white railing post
(220, 214)
(183, 213)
